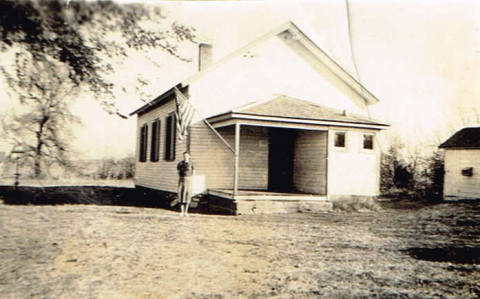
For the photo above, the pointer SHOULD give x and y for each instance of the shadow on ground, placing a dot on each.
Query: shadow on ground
(94, 195)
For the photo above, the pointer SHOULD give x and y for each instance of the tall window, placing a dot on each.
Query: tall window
(368, 141)
(143, 142)
(155, 145)
(170, 138)
(340, 139)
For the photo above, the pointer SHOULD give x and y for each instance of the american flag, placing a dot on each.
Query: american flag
(183, 115)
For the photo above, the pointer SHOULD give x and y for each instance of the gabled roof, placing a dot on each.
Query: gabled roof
(463, 139)
(286, 108)
(289, 32)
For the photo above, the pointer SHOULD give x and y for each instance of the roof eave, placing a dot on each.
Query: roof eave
(336, 68)
(156, 101)
(458, 147)
(234, 115)
(340, 71)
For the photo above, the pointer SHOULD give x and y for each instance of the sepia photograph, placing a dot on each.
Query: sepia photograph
(240, 149)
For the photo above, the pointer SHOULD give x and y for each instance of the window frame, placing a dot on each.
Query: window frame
(344, 147)
(170, 138)
(143, 150)
(155, 140)
(372, 135)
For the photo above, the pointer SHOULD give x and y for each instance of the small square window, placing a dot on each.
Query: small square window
(340, 139)
(368, 141)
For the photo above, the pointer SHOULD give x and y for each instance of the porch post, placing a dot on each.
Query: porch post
(237, 156)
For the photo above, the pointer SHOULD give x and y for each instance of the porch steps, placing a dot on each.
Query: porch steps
(257, 202)
(245, 207)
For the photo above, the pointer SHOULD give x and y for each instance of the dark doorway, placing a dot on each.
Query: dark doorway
(280, 160)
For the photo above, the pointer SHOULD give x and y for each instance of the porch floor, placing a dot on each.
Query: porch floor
(265, 195)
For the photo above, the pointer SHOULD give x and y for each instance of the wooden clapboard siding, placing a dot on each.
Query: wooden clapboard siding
(211, 157)
(310, 167)
(457, 185)
(160, 175)
(253, 172)
(215, 161)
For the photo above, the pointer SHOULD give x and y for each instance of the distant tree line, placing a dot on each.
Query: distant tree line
(118, 169)
(415, 168)
(97, 169)
(411, 174)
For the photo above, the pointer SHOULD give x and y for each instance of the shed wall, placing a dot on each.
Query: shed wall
(310, 166)
(456, 185)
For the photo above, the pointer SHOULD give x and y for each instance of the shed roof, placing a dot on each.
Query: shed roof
(284, 107)
(464, 139)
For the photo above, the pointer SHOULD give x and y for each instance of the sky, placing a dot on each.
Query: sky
(421, 59)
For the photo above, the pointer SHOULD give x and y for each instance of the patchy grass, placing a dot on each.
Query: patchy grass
(88, 251)
(356, 205)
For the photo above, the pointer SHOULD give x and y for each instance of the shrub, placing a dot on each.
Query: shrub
(118, 169)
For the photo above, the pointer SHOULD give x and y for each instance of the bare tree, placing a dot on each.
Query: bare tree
(62, 48)
(41, 124)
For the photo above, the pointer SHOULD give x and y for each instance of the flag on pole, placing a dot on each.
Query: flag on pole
(183, 114)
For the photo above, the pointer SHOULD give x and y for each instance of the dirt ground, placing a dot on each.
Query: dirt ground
(405, 250)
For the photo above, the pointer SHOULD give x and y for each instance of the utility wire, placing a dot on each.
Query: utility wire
(352, 52)
(357, 73)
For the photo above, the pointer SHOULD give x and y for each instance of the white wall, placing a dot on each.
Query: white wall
(353, 170)
(270, 68)
(456, 185)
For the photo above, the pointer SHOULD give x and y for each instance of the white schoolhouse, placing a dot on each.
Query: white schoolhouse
(293, 116)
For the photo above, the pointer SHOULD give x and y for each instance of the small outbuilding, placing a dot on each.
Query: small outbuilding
(462, 165)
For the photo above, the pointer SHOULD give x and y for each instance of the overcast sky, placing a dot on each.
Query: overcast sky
(420, 58)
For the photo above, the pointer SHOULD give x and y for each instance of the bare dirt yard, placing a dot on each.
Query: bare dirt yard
(405, 250)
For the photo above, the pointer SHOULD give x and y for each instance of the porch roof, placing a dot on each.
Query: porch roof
(282, 108)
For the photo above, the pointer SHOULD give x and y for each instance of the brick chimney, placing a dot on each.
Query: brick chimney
(204, 56)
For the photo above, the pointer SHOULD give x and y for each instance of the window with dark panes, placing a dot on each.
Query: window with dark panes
(170, 138)
(143, 143)
(155, 145)
(339, 139)
(368, 141)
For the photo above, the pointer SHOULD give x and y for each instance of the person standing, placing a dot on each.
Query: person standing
(185, 177)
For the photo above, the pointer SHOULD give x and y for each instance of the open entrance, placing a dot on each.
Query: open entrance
(281, 159)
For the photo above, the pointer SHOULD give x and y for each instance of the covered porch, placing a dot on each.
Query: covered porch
(274, 163)
(281, 151)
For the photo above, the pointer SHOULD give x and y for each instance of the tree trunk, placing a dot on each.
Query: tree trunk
(37, 167)
(38, 149)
